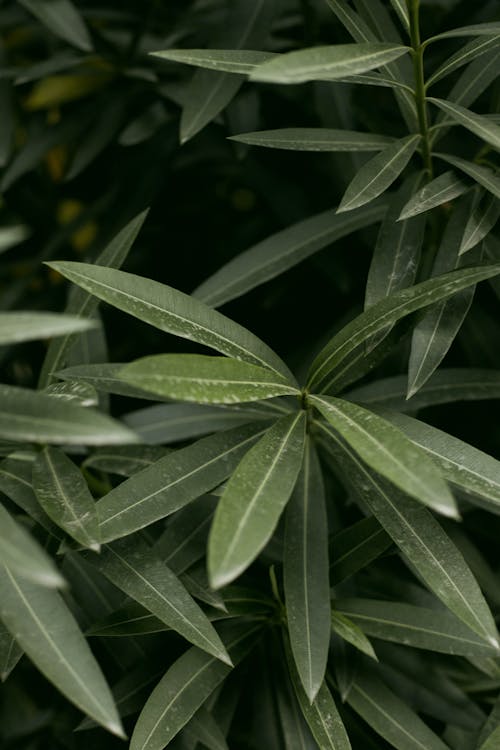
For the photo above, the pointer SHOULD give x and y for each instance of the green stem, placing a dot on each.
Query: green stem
(420, 98)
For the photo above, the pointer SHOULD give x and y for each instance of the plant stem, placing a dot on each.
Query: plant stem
(420, 98)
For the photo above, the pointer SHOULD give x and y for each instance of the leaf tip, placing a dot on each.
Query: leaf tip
(116, 728)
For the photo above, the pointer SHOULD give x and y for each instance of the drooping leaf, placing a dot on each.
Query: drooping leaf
(46, 630)
(254, 498)
(324, 368)
(206, 380)
(480, 223)
(135, 569)
(420, 538)
(314, 139)
(305, 571)
(477, 124)
(352, 633)
(474, 49)
(478, 29)
(27, 326)
(171, 311)
(419, 627)
(173, 482)
(442, 189)
(326, 63)
(20, 552)
(378, 173)
(282, 251)
(239, 61)
(387, 452)
(37, 417)
(61, 18)
(482, 175)
(355, 547)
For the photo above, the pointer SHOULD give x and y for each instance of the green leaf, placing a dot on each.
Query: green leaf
(206, 380)
(282, 251)
(28, 326)
(314, 139)
(62, 492)
(386, 450)
(491, 743)
(401, 9)
(305, 571)
(105, 377)
(171, 311)
(480, 223)
(80, 394)
(324, 370)
(441, 190)
(350, 632)
(61, 18)
(84, 304)
(478, 29)
(36, 417)
(46, 630)
(240, 61)
(464, 466)
(477, 124)
(326, 63)
(389, 716)
(482, 175)
(203, 728)
(10, 653)
(16, 482)
(420, 538)
(135, 569)
(183, 542)
(379, 173)
(184, 688)
(23, 554)
(443, 387)
(418, 627)
(474, 49)
(124, 460)
(355, 547)
(254, 499)
(172, 482)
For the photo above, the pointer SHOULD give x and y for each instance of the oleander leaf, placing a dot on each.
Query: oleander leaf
(442, 189)
(477, 124)
(378, 173)
(480, 223)
(64, 495)
(401, 9)
(324, 370)
(171, 311)
(124, 460)
(254, 498)
(137, 571)
(40, 418)
(28, 326)
(173, 482)
(203, 728)
(420, 538)
(314, 139)
(105, 377)
(492, 741)
(47, 631)
(205, 380)
(482, 175)
(74, 392)
(355, 547)
(478, 29)
(23, 555)
(386, 450)
(10, 653)
(62, 18)
(240, 61)
(351, 632)
(305, 572)
(471, 51)
(283, 250)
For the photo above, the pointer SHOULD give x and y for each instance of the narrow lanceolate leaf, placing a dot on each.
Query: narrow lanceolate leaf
(281, 251)
(171, 311)
(321, 714)
(27, 326)
(254, 499)
(390, 716)
(419, 627)
(305, 570)
(185, 687)
(206, 380)
(63, 19)
(480, 223)
(314, 139)
(241, 61)
(80, 394)
(477, 124)
(386, 450)
(10, 653)
(482, 175)
(420, 538)
(172, 482)
(326, 63)
(401, 9)
(203, 728)
(124, 460)
(379, 173)
(83, 304)
(355, 547)
(36, 417)
(48, 633)
(135, 569)
(477, 29)
(466, 467)
(325, 368)
(62, 492)
(443, 189)
(23, 555)
(474, 49)
(105, 377)
(352, 633)
(492, 742)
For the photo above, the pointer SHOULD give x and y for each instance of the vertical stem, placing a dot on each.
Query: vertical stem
(418, 69)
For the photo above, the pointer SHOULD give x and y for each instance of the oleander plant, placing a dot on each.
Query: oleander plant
(274, 526)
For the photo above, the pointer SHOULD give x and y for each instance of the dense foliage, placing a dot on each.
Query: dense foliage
(205, 543)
